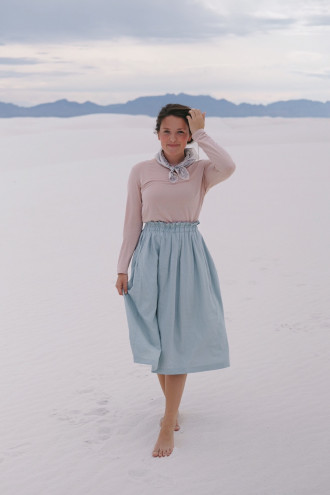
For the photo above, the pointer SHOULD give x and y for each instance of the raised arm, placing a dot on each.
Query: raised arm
(132, 222)
(220, 165)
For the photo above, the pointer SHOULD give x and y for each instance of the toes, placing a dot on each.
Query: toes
(162, 453)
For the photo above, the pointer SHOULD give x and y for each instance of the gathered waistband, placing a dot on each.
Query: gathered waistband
(171, 226)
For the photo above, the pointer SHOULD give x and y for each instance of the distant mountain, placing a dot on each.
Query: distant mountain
(150, 105)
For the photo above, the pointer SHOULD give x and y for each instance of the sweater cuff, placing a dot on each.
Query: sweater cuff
(197, 134)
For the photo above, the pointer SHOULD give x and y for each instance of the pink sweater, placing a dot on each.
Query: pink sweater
(152, 197)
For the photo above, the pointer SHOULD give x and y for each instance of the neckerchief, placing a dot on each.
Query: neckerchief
(180, 170)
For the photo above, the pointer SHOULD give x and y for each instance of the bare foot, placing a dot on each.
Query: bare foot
(176, 427)
(165, 442)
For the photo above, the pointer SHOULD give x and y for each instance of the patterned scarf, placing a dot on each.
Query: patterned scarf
(179, 170)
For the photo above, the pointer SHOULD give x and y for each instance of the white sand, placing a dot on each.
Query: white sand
(78, 416)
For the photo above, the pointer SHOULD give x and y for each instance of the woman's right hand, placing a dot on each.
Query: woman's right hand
(121, 283)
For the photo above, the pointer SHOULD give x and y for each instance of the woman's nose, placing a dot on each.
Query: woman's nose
(172, 137)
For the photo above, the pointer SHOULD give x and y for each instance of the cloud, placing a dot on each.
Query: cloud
(8, 74)
(243, 25)
(171, 20)
(318, 20)
(18, 61)
(11, 74)
(322, 75)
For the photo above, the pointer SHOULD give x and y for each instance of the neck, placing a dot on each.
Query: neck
(174, 160)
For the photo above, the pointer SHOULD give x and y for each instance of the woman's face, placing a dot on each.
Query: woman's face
(174, 134)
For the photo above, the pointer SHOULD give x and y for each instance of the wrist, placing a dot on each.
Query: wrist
(197, 132)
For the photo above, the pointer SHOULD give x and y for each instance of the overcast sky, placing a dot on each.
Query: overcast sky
(110, 51)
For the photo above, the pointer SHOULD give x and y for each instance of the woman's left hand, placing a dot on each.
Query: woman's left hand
(196, 120)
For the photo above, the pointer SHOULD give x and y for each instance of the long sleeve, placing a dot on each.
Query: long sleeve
(220, 165)
(132, 222)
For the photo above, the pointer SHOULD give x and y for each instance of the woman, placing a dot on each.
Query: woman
(172, 300)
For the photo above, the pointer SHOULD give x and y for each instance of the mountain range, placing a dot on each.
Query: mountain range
(150, 105)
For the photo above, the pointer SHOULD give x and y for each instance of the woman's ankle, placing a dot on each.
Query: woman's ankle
(170, 420)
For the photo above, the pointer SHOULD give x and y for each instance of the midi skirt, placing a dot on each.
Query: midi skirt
(173, 303)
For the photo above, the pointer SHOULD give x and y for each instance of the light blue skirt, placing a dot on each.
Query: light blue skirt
(173, 303)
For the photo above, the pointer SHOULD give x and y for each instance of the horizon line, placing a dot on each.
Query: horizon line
(162, 95)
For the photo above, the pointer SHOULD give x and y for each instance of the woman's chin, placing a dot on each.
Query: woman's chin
(173, 154)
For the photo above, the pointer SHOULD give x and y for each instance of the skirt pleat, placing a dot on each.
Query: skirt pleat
(173, 303)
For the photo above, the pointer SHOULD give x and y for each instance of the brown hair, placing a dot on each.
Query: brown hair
(173, 109)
